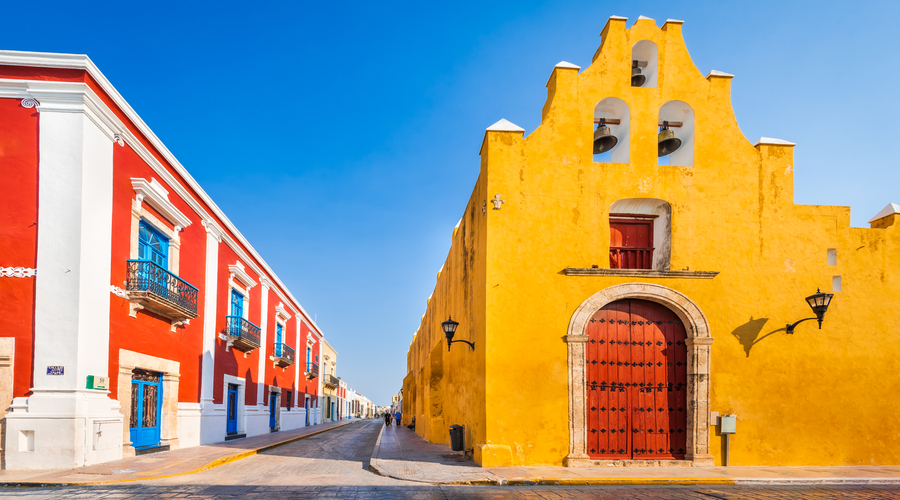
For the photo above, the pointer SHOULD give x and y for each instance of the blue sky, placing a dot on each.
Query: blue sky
(342, 138)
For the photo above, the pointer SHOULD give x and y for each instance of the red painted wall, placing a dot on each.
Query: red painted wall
(18, 232)
(149, 333)
(233, 362)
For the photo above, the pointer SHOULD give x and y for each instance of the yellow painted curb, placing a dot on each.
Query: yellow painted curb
(216, 463)
(629, 481)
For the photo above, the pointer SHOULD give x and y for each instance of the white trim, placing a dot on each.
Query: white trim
(715, 72)
(674, 21)
(17, 272)
(281, 311)
(645, 18)
(773, 142)
(158, 197)
(891, 208)
(237, 271)
(619, 18)
(505, 125)
(118, 292)
(566, 65)
(100, 112)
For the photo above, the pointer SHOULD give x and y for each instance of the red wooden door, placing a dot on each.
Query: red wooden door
(631, 244)
(636, 382)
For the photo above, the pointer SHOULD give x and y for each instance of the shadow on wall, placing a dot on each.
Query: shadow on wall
(748, 333)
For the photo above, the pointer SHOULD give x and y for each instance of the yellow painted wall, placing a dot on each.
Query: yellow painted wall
(818, 397)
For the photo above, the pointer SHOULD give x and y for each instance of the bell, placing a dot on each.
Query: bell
(668, 143)
(637, 79)
(603, 139)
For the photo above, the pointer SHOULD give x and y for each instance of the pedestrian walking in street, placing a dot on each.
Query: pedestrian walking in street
(387, 419)
(397, 418)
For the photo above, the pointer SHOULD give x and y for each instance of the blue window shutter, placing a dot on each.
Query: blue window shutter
(237, 303)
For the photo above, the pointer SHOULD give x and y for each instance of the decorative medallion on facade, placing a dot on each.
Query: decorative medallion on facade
(29, 103)
(17, 272)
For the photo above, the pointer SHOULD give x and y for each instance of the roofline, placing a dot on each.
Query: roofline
(83, 62)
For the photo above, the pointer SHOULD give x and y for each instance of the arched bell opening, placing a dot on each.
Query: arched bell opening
(612, 131)
(644, 64)
(675, 141)
(640, 234)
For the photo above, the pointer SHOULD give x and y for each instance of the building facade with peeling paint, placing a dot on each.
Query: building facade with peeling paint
(621, 302)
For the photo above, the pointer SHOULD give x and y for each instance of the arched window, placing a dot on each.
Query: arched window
(640, 234)
(612, 145)
(644, 64)
(676, 136)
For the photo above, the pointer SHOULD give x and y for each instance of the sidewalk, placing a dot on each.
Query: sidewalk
(402, 454)
(163, 464)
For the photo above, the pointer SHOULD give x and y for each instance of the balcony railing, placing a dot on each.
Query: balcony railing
(312, 370)
(284, 355)
(331, 380)
(630, 258)
(241, 333)
(154, 288)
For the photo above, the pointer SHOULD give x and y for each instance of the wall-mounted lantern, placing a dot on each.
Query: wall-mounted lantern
(819, 303)
(449, 327)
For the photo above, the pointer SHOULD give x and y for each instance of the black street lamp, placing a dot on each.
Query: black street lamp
(449, 327)
(819, 304)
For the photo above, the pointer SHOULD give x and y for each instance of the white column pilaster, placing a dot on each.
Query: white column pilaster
(68, 424)
(211, 293)
(263, 341)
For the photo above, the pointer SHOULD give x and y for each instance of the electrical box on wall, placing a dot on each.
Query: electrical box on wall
(98, 383)
(729, 424)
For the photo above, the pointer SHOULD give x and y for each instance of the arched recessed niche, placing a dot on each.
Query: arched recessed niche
(615, 114)
(629, 219)
(680, 116)
(645, 56)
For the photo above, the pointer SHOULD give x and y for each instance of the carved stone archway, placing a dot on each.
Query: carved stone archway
(698, 344)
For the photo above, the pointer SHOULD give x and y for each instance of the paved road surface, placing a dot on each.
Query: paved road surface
(335, 465)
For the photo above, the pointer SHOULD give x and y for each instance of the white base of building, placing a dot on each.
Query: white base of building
(63, 429)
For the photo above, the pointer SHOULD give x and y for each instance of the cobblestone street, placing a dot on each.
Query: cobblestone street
(335, 465)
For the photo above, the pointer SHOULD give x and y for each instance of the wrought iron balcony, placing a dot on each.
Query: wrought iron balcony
(312, 370)
(284, 355)
(331, 380)
(241, 333)
(156, 289)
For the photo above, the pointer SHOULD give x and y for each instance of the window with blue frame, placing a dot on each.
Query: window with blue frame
(278, 336)
(153, 246)
(237, 303)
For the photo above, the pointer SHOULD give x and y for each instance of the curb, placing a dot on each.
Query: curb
(216, 463)
(635, 481)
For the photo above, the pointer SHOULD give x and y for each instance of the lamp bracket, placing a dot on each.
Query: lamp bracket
(790, 327)
(471, 344)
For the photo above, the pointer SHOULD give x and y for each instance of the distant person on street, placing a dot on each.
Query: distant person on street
(397, 418)
(387, 419)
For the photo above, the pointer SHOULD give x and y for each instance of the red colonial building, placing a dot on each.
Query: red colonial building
(135, 316)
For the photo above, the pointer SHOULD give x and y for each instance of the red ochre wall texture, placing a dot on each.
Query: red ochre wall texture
(233, 362)
(18, 231)
(149, 333)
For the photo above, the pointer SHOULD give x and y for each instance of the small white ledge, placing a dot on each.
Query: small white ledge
(280, 310)
(891, 208)
(153, 193)
(719, 73)
(773, 142)
(674, 21)
(645, 17)
(237, 270)
(566, 64)
(505, 125)
(619, 18)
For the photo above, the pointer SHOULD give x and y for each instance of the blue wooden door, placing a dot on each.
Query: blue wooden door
(231, 423)
(306, 406)
(146, 409)
(273, 400)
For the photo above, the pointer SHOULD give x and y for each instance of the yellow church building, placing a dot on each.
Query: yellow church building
(627, 277)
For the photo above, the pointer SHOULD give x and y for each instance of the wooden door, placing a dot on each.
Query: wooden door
(631, 244)
(636, 383)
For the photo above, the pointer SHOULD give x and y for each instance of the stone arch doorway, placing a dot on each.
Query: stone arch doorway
(696, 342)
(636, 380)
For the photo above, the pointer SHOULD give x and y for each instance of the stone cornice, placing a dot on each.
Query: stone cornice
(639, 273)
